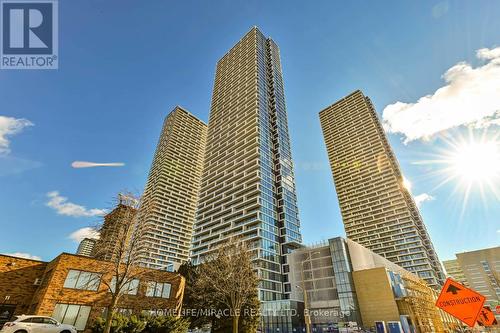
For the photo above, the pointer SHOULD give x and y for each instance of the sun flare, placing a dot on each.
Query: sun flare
(471, 163)
(476, 162)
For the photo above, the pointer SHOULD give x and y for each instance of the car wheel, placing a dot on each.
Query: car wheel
(65, 331)
(21, 331)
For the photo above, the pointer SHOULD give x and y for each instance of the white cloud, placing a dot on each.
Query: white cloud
(469, 97)
(488, 54)
(488, 121)
(10, 126)
(11, 165)
(23, 255)
(421, 198)
(440, 9)
(81, 164)
(63, 207)
(82, 233)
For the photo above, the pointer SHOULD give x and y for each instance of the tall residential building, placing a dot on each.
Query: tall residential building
(116, 231)
(377, 210)
(454, 271)
(169, 201)
(248, 187)
(86, 247)
(482, 271)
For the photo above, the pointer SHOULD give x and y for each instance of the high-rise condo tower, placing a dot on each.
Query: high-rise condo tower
(377, 210)
(168, 205)
(248, 187)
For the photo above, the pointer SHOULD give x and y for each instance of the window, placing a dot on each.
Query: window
(129, 288)
(150, 289)
(40, 320)
(49, 321)
(72, 314)
(82, 280)
(158, 289)
(71, 279)
(424, 274)
(31, 320)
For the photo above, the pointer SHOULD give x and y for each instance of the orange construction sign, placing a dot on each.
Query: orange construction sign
(487, 317)
(461, 302)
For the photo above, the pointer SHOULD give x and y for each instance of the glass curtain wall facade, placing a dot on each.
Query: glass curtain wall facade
(283, 316)
(324, 271)
(342, 271)
(248, 188)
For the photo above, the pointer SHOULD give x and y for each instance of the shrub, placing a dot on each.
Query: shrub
(138, 324)
(118, 324)
(167, 324)
(135, 324)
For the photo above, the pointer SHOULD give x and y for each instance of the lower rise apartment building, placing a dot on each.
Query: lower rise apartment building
(454, 271)
(479, 270)
(71, 289)
(86, 247)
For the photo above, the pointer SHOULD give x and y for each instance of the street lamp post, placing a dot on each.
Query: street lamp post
(307, 318)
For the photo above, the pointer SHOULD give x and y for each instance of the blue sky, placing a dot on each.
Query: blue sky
(124, 65)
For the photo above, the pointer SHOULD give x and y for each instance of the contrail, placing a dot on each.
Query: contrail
(81, 164)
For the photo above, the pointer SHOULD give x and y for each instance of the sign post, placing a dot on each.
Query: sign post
(486, 317)
(460, 302)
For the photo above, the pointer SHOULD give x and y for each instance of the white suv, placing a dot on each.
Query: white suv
(36, 324)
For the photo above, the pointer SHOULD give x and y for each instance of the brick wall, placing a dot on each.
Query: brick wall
(17, 280)
(52, 291)
(17, 277)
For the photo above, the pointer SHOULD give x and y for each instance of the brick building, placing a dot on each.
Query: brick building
(19, 280)
(74, 289)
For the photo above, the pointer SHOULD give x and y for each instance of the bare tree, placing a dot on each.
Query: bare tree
(228, 277)
(121, 244)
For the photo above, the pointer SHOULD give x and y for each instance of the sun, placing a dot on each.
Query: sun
(476, 163)
(473, 164)
(470, 162)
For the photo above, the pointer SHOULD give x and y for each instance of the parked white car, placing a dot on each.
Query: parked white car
(36, 324)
